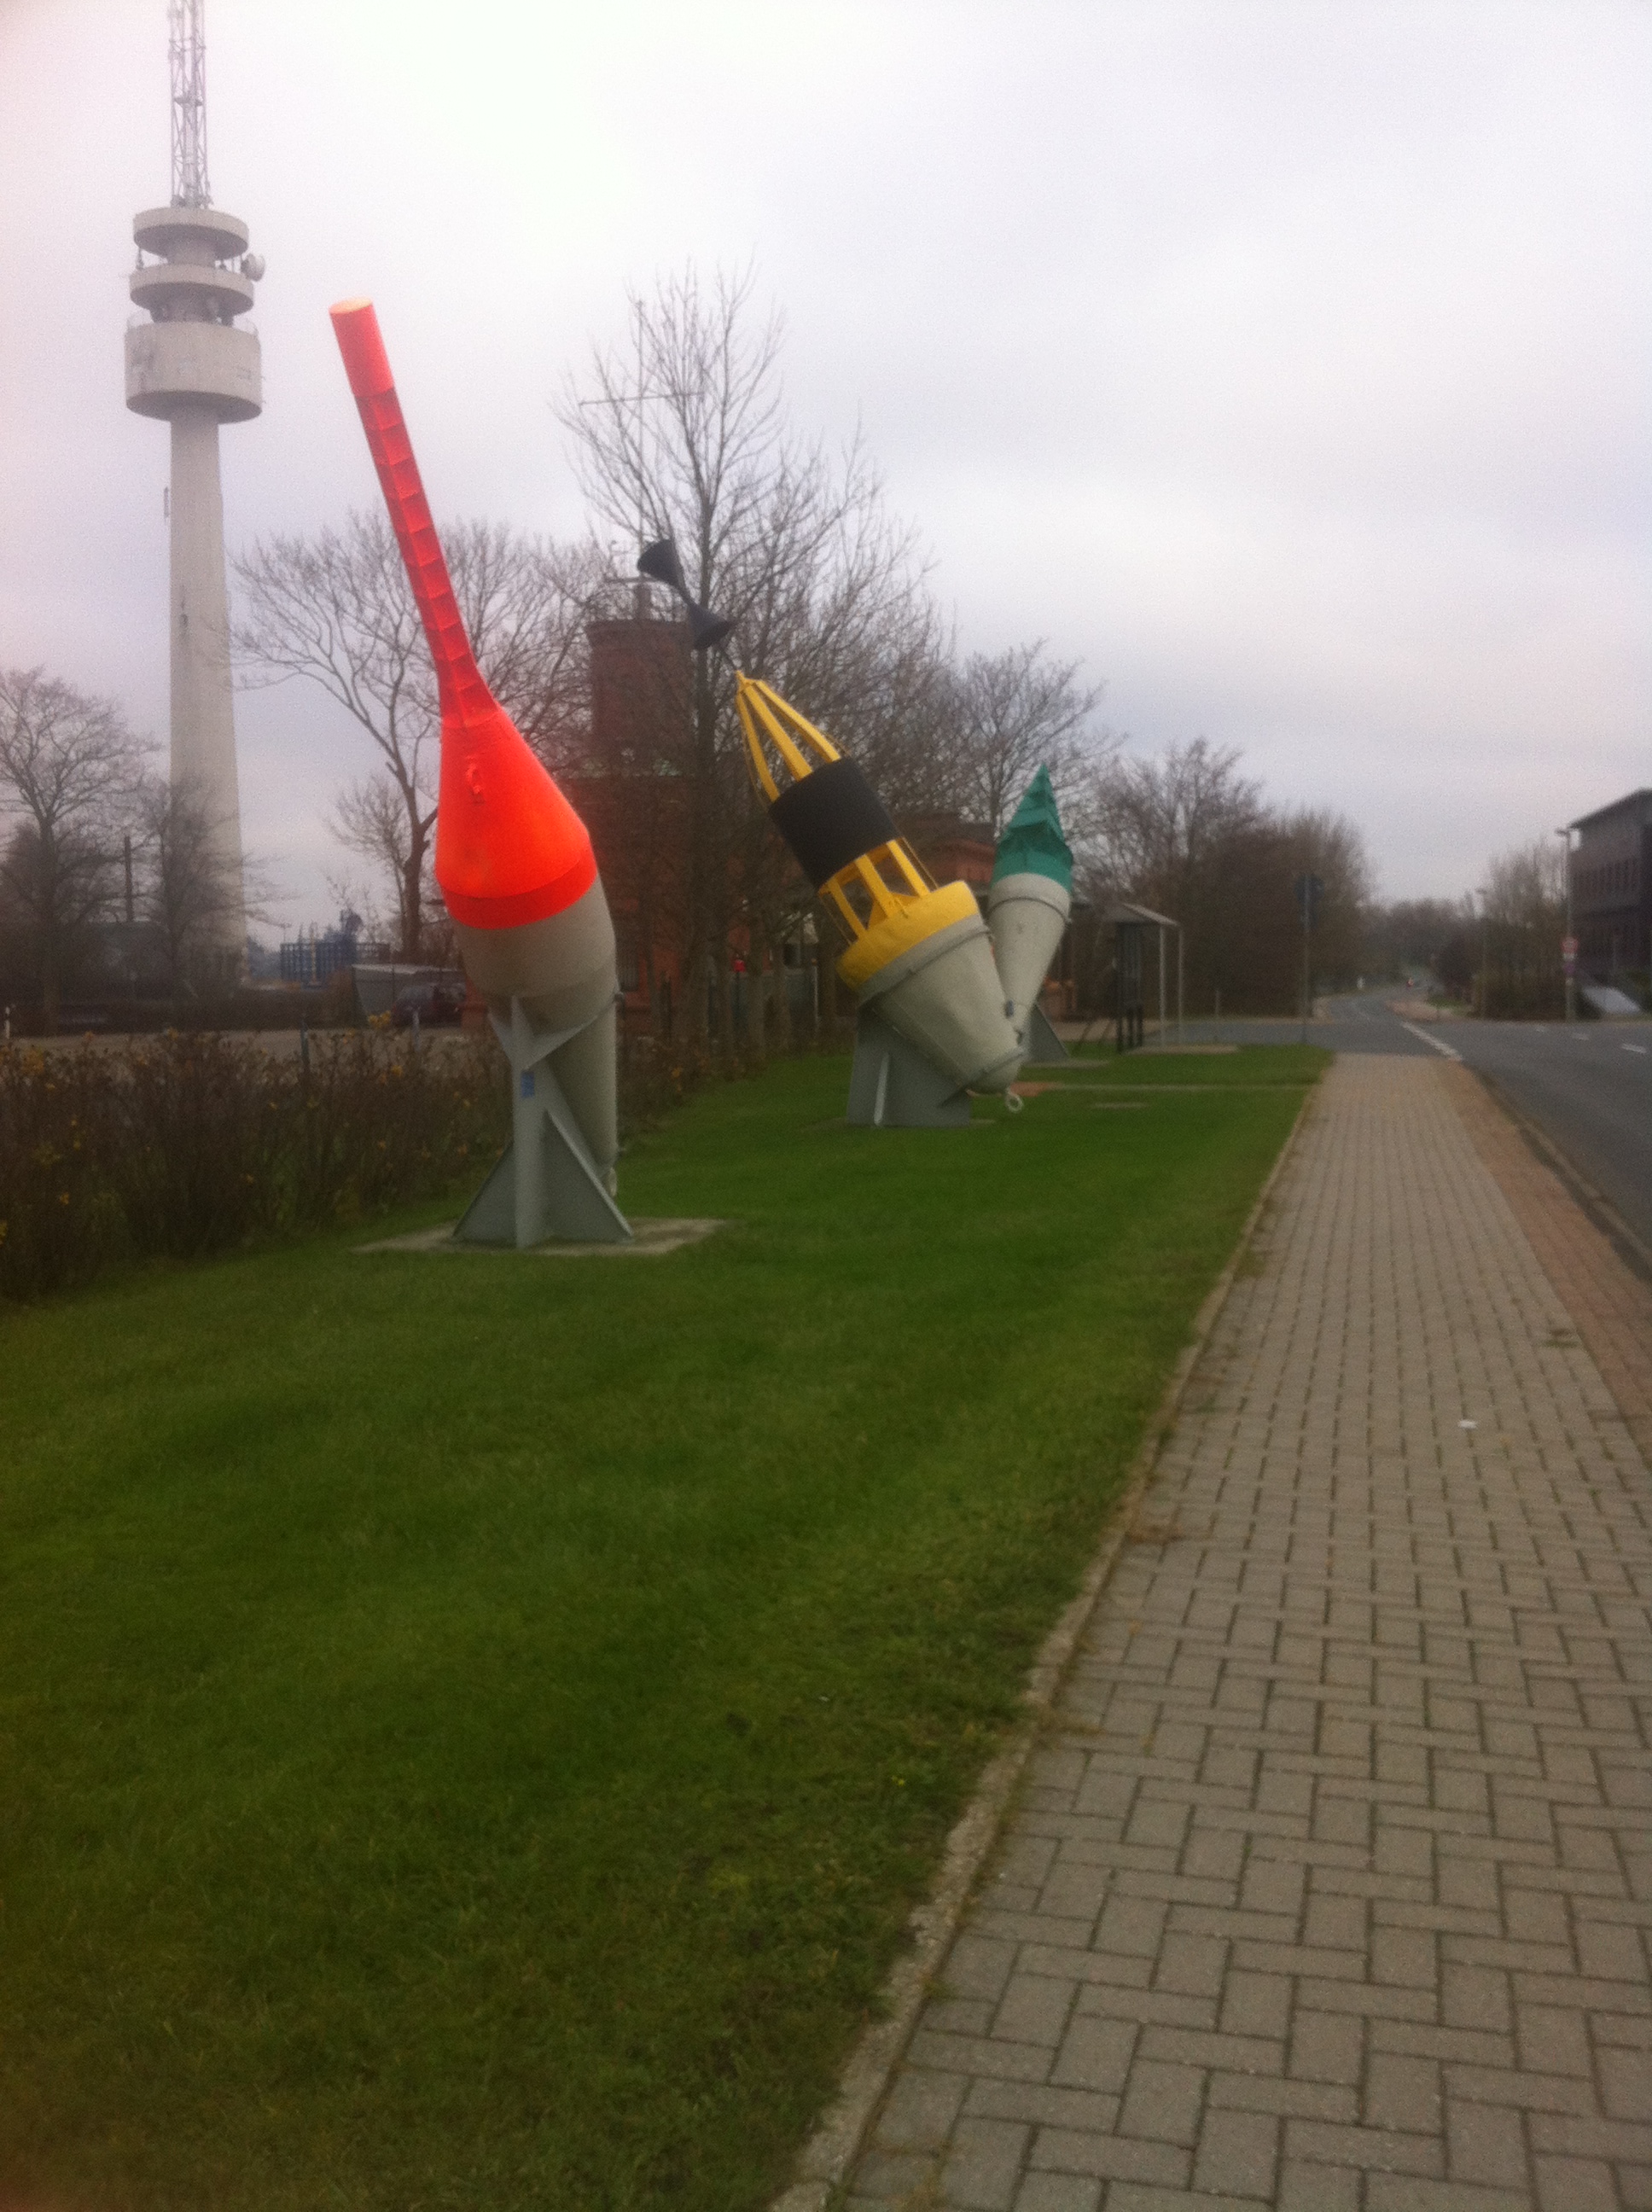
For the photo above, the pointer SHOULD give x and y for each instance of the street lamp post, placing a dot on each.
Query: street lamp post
(1308, 889)
(1568, 947)
(1484, 898)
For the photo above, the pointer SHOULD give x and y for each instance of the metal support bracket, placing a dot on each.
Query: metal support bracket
(893, 1086)
(546, 1184)
(1044, 1048)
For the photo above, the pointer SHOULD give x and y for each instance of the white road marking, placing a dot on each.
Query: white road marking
(1451, 1052)
(1640, 1048)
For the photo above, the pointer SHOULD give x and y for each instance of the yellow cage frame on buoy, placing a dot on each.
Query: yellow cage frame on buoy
(903, 904)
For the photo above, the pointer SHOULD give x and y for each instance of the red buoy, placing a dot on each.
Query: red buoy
(509, 848)
(515, 866)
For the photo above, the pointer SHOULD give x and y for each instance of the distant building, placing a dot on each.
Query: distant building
(633, 798)
(952, 849)
(1611, 888)
(316, 959)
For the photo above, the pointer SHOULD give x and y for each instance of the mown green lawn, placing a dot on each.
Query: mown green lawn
(1249, 1065)
(473, 1728)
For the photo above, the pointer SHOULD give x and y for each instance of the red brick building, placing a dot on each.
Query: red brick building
(633, 799)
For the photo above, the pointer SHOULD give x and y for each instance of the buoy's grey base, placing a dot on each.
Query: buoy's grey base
(649, 1240)
(893, 1086)
(1044, 1048)
(944, 996)
(547, 1184)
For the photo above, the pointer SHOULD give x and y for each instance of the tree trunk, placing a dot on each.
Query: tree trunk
(692, 1017)
(829, 1014)
(651, 984)
(782, 996)
(724, 981)
(412, 946)
(756, 1013)
(698, 936)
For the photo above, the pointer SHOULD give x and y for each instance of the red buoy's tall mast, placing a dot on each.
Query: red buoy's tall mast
(368, 368)
(509, 848)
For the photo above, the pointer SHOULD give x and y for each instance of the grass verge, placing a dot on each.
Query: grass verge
(1291, 1065)
(474, 1726)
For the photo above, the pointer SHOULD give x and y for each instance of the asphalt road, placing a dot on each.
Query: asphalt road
(1341, 1025)
(1587, 1085)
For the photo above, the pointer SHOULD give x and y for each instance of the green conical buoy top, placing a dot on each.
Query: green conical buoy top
(1033, 844)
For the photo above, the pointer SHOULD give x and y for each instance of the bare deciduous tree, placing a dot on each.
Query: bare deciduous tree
(1155, 822)
(337, 609)
(1018, 711)
(1410, 934)
(69, 767)
(684, 434)
(1526, 888)
(372, 817)
(1524, 921)
(1190, 836)
(1329, 846)
(190, 893)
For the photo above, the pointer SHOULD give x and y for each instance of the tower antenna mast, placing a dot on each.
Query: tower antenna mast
(186, 45)
(194, 367)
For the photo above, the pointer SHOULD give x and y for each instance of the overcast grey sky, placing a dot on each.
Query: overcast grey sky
(1286, 364)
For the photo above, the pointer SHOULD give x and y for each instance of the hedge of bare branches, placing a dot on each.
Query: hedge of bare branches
(180, 1146)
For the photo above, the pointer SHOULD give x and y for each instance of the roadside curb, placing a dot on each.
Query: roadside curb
(1593, 1203)
(831, 2151)
(1601, 1282)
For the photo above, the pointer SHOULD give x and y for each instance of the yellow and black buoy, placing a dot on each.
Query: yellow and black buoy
(919, 953)
(920, 956)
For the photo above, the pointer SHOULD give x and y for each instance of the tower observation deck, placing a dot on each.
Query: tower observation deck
(192, 365)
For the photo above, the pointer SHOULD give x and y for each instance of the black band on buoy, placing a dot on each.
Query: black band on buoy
(831, 817)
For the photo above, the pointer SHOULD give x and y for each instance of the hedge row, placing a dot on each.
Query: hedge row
(178, 1145)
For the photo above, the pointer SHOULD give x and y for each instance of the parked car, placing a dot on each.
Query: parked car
(431, 1004)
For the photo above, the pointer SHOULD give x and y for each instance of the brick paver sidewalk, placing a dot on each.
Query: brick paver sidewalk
(1329, 1887)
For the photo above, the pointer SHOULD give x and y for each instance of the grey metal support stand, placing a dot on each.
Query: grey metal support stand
(893, 1086)
(1044, 1048)
(546, 1184)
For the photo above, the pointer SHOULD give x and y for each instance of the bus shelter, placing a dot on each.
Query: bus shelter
(1131, 924)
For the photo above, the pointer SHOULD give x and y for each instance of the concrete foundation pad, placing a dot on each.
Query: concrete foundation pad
(649, 1240)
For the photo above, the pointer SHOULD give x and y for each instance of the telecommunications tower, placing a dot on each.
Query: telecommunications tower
(191, 366)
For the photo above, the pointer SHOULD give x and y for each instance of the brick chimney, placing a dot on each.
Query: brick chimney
(642, 693)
